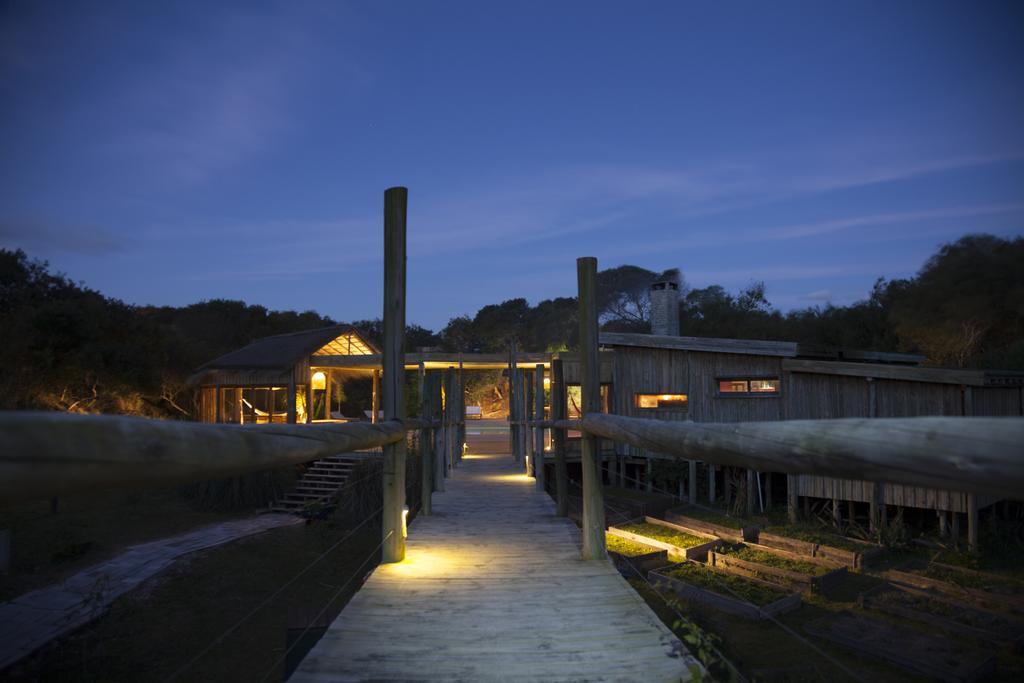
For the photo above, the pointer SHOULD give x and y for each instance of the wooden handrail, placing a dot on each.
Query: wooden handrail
(45, 454)
(971, 454)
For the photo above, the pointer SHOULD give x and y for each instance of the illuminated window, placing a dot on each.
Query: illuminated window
(758, 386)
(663, 401)
(348, 344)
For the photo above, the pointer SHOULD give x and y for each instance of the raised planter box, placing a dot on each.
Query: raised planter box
(726, 603)
(746, 533)
(986, 627)
(910, 649)
(697, 552)
(630, 566)
(747, 569)
(850, 558)
(998, 600)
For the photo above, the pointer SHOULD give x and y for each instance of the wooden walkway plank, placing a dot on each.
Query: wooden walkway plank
(493, 588)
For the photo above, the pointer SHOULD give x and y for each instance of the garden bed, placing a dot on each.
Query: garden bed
(990, 600)
(713, 523)
(908, 648)
(679, 544)
(744, 597)
(761, 563)
(821, 544)
(951, 617)
(632, 558)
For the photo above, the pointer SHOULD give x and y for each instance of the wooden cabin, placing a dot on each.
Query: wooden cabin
(283, 378)
(731, 380)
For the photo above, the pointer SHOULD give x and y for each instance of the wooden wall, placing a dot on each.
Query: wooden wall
(803, 395)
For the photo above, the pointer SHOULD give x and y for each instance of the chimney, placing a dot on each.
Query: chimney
(665, 304)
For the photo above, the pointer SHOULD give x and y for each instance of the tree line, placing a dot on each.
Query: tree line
(64, 346)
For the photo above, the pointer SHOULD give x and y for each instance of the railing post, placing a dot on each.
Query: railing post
(449, 410)
(437, 415)
(558, 437)
(426, 464)
(792, 482)
(538, 435)
(590, 378)
(395, 203)
(462, 409)
(531, 460)
(511, 404)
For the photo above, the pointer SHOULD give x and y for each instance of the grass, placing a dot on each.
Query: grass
(664, 534)
(771, 560)
(724, 584)
(626, 547)
(48, 547)
(816, 534)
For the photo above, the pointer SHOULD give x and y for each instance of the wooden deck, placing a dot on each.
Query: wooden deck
(492, 588)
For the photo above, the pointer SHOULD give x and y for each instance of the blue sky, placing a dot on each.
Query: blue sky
(167, 153)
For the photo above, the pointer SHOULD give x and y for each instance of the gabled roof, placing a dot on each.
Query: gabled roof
(282, 351)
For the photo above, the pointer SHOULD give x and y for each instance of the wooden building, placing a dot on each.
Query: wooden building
(730, 380)
(283, 378)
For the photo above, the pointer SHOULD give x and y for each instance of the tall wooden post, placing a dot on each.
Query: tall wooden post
(590, 378)
(531, 460)
(792, 495)
(692, 493)
(558, 412)
(375, 399)
(462, 409)
(751, 491)
(972, 522)
(513, 404)
(711, 483)
(437, 415)
(291, 400)
(426, 463)
(538, 434)
(520, 395)
(395, 203)
(309, 397)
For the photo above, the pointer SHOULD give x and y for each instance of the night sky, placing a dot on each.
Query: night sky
(167, 153)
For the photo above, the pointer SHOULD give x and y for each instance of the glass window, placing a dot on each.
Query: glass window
(748, 386)
(663, 401)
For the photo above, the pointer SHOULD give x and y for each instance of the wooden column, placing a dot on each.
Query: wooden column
(531, 460)
(767, 491)
(291, 400)
(538, 434)
(711, 483)
(590, 378)
(237, 417)
(511, 402)
(520, 414)
(649, 474)
(218, 403)
(327, 394)
(943, 523)
(395, 202)
(437, 414)
(375, 398)
(751, 492)
(972, 522)
(558, 412)
(426, 462)
(309, 396)
(792, 498)
(692, 493)
(462, 409)
(877, 505)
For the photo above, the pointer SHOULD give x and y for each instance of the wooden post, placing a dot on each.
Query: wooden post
(711, 483)
(327, 394)
(538, 434)
(792, 498)
(590, 379)
(309, 398)
(531, 460)
(375, 399)
(395, 203)
(462, 410)
(727, 475)
(520, 414)
(751, 491)
(648, 474)
(877, 505)
(954, 531)
(437, 415)
(291, 400)
(972, 522)
(767, 491)
(426, 463)
(511, 403)
(693, 483)
(943, 523)
(217, 403)
(558, 410)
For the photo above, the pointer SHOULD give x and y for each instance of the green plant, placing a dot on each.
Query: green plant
(665, 534)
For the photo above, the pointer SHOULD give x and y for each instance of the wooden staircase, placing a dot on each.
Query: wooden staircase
(319, 484)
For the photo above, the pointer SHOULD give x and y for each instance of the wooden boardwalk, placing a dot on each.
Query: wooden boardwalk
(492, 588)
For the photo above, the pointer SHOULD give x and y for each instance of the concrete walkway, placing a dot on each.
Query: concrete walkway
(34, 619)
(492, 588)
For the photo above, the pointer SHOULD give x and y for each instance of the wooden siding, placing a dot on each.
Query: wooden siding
(825, 397)
(896, 398)
(996, 401)
(707, 406)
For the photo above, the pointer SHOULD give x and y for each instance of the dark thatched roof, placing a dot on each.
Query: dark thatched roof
(281, 351)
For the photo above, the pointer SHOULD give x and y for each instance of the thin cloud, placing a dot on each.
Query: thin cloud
(42, 237)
